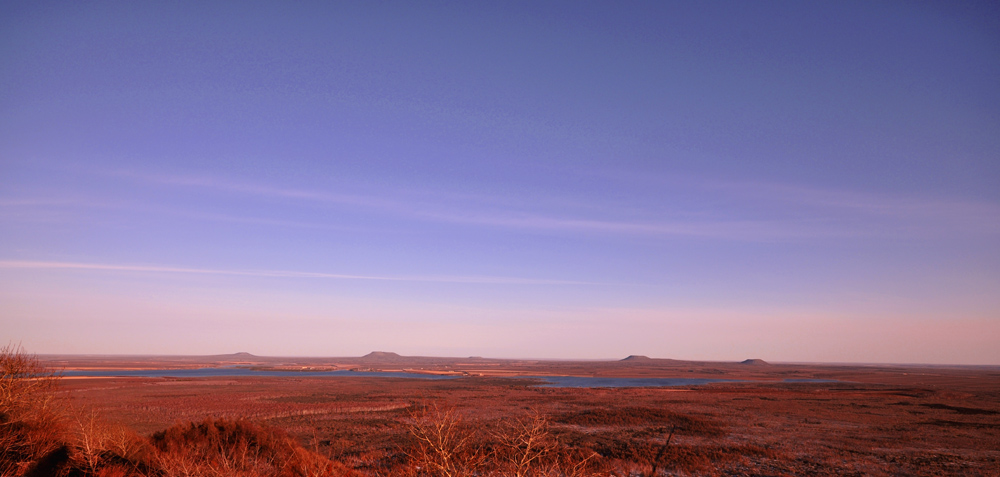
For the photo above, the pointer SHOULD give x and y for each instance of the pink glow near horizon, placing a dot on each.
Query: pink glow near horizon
(214, 322)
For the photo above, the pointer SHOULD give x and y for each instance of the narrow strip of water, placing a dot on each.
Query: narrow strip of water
(547, 381)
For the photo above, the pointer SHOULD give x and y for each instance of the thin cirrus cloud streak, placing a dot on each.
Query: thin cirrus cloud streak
(985, 216)
(909, 214)
(42, 265)
(723, 229)
(742, 229)
(43, 204)
(261, 190)
(731, 229)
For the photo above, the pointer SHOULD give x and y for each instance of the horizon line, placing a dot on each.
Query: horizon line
(719, 361)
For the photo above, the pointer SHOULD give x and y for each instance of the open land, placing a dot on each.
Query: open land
(854, 420)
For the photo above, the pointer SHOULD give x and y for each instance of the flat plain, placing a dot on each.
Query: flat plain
(771, 419)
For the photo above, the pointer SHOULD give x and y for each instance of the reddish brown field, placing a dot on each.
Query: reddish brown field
(876, 420)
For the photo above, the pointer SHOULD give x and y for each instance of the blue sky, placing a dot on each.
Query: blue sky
(791, 181)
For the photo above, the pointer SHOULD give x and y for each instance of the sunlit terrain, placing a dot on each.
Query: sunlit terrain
(617, 239)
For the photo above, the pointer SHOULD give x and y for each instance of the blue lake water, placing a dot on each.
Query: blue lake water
(239, 372)
(548, 381)
(596, 382)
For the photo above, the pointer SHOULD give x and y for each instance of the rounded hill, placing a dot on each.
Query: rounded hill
(382, 356)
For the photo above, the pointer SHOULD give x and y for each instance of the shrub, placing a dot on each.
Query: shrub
(446, 445)
(221, 447)
(30, 426)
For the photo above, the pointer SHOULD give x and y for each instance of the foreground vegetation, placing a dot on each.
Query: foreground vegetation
(41, 435)
(874, 421)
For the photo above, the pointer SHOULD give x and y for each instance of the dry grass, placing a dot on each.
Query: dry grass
(42, 435)
(220, 447)
(632, 416)
(885, 422)
(447, 444)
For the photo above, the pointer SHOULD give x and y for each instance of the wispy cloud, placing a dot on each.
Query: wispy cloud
(756, 230)
(487, 211)
(810, 210)
(261, 190)
(18, 208)
(732, 210)
(884, 205)
(491, 280)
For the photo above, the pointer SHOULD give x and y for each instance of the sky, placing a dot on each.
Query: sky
(721, 180)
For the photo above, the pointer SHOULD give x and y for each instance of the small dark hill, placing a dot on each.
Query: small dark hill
(637, 357)
(242, 355)
(382, 356)
(754, 361)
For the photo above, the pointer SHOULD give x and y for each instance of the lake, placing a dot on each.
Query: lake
(548, 381)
